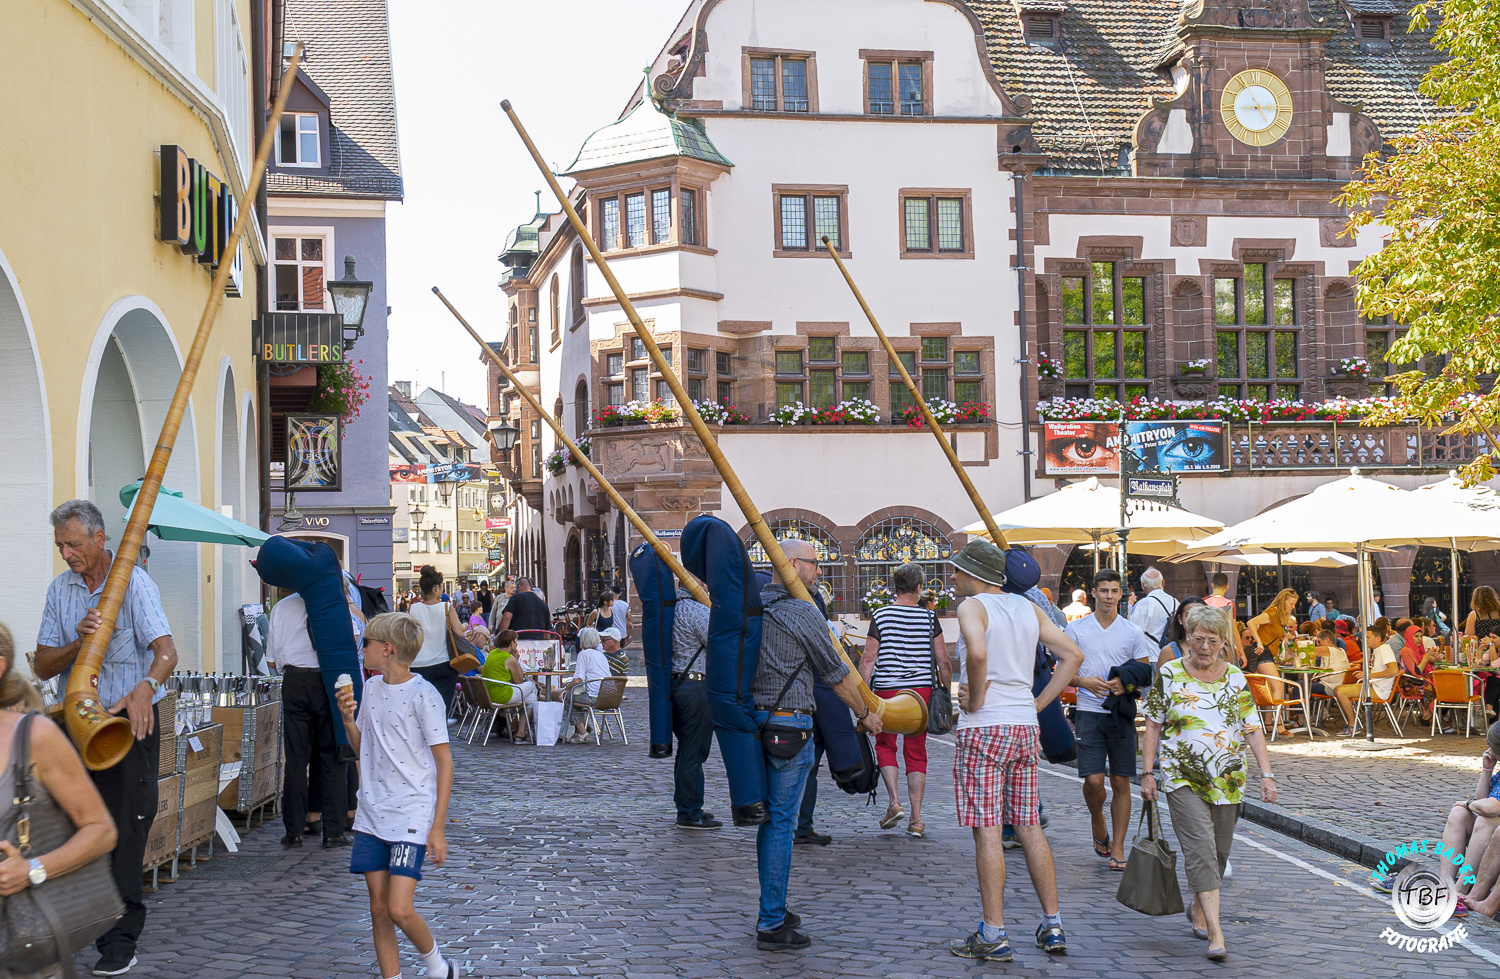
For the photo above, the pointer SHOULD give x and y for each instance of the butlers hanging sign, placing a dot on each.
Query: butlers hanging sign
(197, 213)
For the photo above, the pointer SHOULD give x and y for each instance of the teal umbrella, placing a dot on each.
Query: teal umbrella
(174, 518)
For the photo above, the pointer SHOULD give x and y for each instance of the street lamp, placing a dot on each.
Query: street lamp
(350, 297)
(504, 435)
(417, 513)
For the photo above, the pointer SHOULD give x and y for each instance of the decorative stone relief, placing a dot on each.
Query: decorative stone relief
(1189, 232)
(1332, 233)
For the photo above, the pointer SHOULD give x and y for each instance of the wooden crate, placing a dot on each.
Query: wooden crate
(252, 736)
(166, 720)
(161, 844)
(200, 752)
(198, 824)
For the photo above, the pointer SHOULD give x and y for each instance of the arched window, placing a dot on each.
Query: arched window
(573, 569)
(897, 541)
(575, 288)
(556, 315)
(580, 408)
(830, 556)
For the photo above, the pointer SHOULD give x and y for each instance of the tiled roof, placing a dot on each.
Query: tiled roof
(645, 133)
(1088, 91)
(348, 56)
(1378, 7)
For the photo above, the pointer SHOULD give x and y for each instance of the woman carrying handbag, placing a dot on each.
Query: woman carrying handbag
(57, 893)
(438, 622)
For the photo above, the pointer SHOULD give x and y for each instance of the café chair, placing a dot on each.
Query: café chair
(605, 706)
(1452, 690)
(1375, 701)
(1260, 690)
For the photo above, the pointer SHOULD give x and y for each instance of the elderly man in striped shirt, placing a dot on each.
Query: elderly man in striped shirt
(141, 656)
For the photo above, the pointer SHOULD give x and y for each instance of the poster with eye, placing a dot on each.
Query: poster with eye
(1179, 446)
(313, 453)
(1173, 446)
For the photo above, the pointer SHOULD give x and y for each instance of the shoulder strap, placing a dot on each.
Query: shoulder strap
(788, 685)
(20, 754)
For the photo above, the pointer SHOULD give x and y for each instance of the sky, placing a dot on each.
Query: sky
(568, 69)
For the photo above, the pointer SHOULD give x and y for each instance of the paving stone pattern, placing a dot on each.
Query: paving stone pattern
(564, 862)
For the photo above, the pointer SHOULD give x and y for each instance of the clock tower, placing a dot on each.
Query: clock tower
(1250, 97)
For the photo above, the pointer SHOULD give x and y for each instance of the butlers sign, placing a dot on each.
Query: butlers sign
(197, 213)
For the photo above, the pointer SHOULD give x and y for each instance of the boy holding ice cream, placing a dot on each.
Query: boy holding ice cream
(406, 772)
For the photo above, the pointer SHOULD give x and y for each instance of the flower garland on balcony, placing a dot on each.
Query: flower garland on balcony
(342, 390)
(1199, 366)
(1232, 409)
(858, 411)
(716, 414)
(946, 412)
(1353, 367)
(1047, 367)
(635, 413)
(560, 458)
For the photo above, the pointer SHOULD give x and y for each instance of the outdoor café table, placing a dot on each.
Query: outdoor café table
(1303, 675)
(545, 676)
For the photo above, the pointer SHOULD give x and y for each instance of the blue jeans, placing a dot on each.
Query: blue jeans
(810, 794)
(785, 778)
(694, 727)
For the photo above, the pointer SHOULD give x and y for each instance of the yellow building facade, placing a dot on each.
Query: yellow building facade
(97, 312)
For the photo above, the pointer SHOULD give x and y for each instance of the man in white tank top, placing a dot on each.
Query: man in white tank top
(994, 768)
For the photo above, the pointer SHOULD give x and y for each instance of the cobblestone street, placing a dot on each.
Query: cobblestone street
(564, 861)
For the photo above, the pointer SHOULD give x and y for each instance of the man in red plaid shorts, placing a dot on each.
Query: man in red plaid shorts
(994, 769)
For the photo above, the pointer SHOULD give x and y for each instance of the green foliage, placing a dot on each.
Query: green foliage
(1438, 201)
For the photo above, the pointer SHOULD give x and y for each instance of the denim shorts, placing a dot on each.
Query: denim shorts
(1094, 749)
(370, 854)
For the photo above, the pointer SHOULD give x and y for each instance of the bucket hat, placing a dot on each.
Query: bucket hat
(982, 560)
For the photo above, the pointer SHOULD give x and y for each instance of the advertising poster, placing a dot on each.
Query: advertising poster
(1093, 448)
(408, 474)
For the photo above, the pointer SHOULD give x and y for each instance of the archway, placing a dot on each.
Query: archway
(132, 371)
(572, 569)
(26, 477)
(230, 495)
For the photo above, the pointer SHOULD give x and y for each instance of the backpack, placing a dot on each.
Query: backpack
(372, 600)
(864, 779)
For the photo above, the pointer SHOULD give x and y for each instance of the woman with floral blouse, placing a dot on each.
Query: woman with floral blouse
(1200, 712)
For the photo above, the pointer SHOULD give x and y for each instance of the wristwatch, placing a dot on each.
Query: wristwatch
(38, 874)
(155, 685)
(1268, 775)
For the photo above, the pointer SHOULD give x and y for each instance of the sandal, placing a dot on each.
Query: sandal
(1118, 865)
(1461, 909)
(1101, 847)
(918, 829)
(892, 817)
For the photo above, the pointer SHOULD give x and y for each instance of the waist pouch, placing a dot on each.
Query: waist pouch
(783, 740)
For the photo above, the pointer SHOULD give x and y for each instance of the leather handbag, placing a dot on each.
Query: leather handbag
(43, 925)
(463, 656)
(1149, 884)
(940, 716)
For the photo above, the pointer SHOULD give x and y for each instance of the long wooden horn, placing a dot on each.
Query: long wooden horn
(916, 393)
(664, 552)
(903, 714)
(103, 738)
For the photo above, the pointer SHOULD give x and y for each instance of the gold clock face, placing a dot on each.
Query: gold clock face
(1256, 107)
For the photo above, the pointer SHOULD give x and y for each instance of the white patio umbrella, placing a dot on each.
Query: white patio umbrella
(1475, 509)
(1268, 559)
(1087, 512)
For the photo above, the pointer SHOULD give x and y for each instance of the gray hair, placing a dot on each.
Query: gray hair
(908, 578)
(84, 511)
(588, 638)
(1152, 580)
(1215, 620)
(523, 584)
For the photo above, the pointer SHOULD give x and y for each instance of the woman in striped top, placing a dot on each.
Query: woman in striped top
(899, 655)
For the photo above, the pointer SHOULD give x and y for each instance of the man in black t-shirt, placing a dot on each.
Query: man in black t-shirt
(486, 599)
(525, 611)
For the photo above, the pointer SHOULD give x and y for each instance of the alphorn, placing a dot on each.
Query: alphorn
(927, 416)
(904, 713)
(664, 552)
(103, 739)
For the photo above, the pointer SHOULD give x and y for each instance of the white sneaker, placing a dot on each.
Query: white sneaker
(1228, 869)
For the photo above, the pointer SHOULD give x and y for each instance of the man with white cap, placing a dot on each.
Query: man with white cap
(612, 639)
(998, 742)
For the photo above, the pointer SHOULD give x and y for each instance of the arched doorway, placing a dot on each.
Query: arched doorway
(231, 495)
(1431, 577)
(830, 556)
(572, 570)
(26, 477)
(133, 369)
(895, 541)
(1078, 572)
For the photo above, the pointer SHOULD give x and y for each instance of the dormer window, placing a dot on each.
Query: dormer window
(297, 140)
(1372, 30)
(1041, 29)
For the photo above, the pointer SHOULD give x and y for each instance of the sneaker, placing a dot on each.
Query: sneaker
(111, 966)
(705, 820)
(975, 947)
(1382, 882)
(783, 939)
(1051, 940)
(1008, 838)
(1228, 869)
(812, 837)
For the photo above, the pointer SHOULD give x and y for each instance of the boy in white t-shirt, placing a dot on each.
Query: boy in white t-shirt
(406, 775)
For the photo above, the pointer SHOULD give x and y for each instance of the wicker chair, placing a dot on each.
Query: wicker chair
(513, 708)
(606, 705)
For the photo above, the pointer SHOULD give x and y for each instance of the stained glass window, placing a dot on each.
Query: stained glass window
(897, 541)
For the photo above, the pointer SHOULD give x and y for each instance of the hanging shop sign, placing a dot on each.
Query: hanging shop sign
(197, 212)
(497, 523)
(402, 566)
(1157, 488)
(314, 454)
(299, 338)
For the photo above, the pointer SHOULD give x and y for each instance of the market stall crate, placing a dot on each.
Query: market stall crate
(166, 723)
(252, 737)
(200, 752)
(161, 843)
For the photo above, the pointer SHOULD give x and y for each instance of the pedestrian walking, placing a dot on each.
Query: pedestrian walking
(901, 654)
(436, 616)
(1106, 743)
(621, 614)
(1199, 713)
(140, 657)
(1153, 613)
(1079, 606)
(307, 732)
(1218, 588)
(526, 611)
(402, 741)
(794, 644)
(691, 721)
(603, 615)
(998, 743)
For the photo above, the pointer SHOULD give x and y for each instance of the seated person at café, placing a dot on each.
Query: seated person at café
(1470, 830)
(610, 639)
(1384, 668)
(581, 689)
(502, 664)
(1330, 648)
